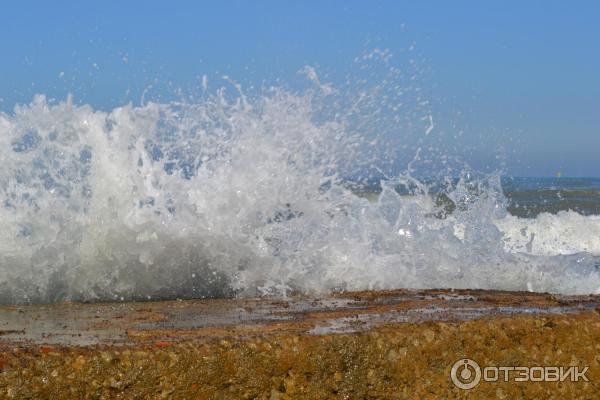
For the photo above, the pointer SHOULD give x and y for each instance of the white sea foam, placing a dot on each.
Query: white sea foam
(245, 196)
(552, 234)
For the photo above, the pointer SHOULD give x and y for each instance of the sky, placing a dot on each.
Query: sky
(516, 78)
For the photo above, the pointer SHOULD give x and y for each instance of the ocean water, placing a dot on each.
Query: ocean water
(529, 197)
(246, 196)
(526, 197)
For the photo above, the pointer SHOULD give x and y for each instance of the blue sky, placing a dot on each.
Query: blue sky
(520, 75)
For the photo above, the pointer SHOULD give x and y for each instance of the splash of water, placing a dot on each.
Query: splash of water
(238, 196)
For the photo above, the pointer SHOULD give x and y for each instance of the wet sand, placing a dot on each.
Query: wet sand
(396, 344)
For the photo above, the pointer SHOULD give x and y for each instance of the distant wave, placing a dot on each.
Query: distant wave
(566, 232)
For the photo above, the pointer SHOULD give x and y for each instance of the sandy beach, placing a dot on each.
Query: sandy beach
(388, 345)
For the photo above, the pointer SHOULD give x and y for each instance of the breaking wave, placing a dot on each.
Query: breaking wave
(235, 195)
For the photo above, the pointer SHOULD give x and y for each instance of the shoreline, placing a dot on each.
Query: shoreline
(372, 344)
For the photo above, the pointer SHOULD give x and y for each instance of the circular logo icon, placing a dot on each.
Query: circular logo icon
(465, 374)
